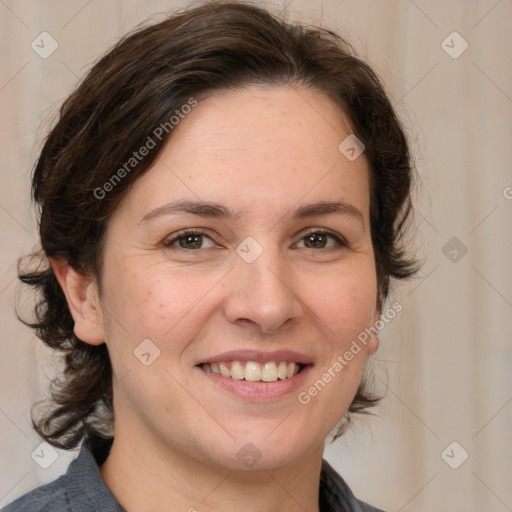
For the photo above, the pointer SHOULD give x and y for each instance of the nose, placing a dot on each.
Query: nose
(261, 294)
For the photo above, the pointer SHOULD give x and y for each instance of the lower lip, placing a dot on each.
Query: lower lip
(259, 391)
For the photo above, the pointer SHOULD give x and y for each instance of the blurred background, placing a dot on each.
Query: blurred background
(441, 439)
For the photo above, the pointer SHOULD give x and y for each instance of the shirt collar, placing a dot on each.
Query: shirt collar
(87, 490)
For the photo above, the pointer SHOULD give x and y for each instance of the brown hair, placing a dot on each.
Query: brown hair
(135, 88)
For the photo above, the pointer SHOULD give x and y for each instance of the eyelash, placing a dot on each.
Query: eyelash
(341, 241)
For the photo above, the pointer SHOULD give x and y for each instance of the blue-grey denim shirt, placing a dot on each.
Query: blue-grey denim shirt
(81, 489)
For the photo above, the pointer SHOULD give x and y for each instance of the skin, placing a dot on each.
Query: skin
(266, 150)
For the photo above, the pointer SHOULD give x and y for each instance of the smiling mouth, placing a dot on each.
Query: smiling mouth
(271, 371)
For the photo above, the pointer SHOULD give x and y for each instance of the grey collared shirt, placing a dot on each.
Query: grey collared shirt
(81, 489)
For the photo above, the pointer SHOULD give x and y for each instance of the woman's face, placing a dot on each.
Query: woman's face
(262, 283)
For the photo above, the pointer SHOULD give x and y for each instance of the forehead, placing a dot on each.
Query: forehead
(258, 149)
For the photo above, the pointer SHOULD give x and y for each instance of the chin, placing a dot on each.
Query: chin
(263, 451)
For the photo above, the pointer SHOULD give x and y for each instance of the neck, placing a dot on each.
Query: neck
(143, 476)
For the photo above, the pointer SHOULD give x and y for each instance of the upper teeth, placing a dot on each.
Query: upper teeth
(250, 370)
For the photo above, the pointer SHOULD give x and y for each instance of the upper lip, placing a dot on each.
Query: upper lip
(258, 356)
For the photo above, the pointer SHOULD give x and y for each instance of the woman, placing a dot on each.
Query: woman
(222, 209)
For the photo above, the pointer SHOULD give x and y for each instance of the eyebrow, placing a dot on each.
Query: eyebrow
(214, 210)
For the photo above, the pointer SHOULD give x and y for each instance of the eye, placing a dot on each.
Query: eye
(318, 239)
(192, 239)
(314, 239)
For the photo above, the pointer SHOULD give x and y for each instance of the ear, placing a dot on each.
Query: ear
(83, 301)
(373, 342)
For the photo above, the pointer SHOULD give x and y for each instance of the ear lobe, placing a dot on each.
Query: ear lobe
(373, 342)
(83, 301)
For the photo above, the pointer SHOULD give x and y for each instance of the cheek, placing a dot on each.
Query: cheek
(346, 302)
(152, 302)
(344, 306)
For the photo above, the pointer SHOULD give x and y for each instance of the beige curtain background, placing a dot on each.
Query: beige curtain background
(446, 358)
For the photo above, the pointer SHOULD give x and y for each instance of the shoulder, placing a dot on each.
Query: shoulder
(50, 497)
(335, 494)
(80, 489)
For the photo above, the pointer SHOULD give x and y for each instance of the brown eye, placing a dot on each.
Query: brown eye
(319, 240)
(188, 240)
